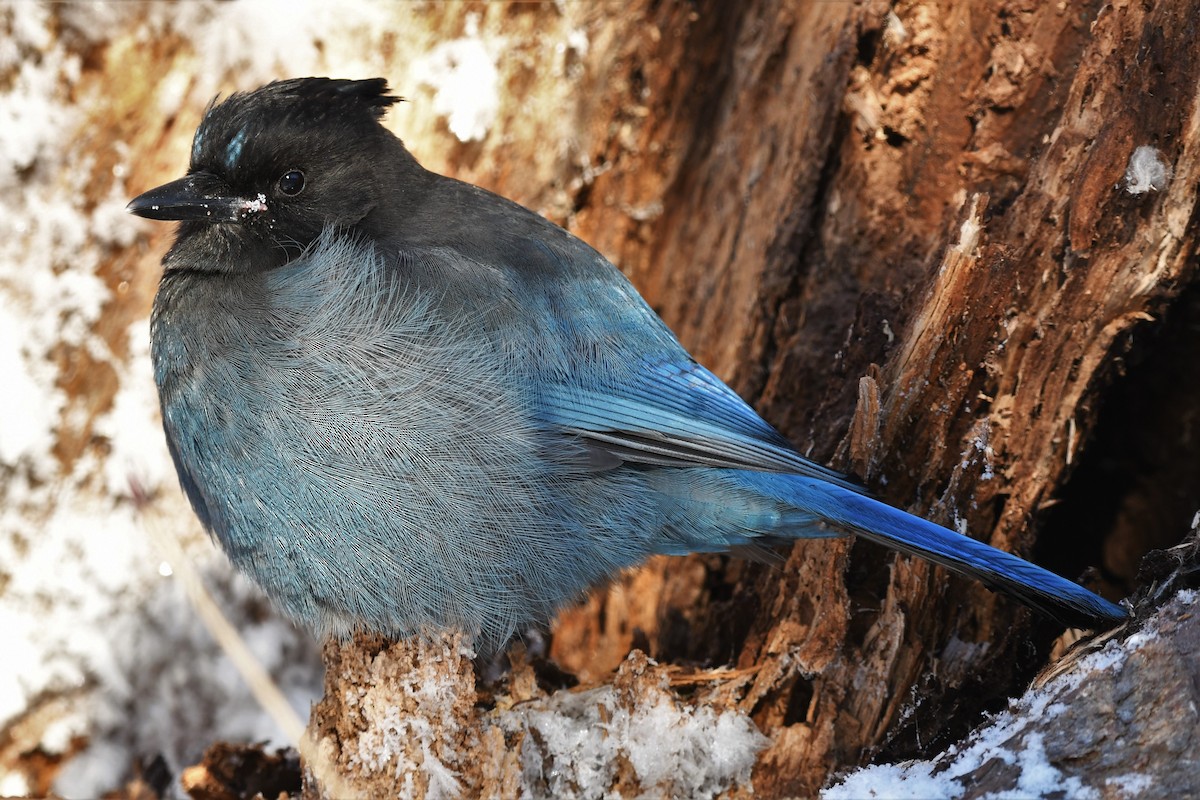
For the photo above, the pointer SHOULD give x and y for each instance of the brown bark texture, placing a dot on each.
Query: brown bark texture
(906, 234)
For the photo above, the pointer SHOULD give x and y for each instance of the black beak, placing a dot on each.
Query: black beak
(199, 197)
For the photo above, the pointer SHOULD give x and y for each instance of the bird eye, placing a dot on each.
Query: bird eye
(292, 182)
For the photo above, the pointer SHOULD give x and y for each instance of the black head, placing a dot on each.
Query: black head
(272, 167)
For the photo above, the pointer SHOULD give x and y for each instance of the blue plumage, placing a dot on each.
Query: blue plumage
(400, 402)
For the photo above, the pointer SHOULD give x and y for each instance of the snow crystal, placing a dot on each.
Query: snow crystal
(1036, 777)
(465, 85)
(582, 739)
(1147, 172)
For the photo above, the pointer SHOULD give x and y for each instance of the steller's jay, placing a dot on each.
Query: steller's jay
(402, 402)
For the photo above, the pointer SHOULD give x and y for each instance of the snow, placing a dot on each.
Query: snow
(1037, 777)
(26, 402)
(13, 785)
(132, 426)
(1147, 171)
(429, 719)
(465, 83)
(1132, 784)
(580, 740)
(256, 205)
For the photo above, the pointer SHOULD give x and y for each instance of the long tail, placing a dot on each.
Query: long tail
(1056, 597)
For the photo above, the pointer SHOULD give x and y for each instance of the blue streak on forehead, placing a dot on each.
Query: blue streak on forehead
(233, 150)
(197, 144)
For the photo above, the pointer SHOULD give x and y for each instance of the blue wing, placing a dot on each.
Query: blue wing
(615, 378)
(672, 411)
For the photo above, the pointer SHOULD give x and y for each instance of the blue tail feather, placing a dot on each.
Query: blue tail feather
(1055, 596)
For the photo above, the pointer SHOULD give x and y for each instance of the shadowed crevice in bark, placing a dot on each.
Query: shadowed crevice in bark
(1136, 486)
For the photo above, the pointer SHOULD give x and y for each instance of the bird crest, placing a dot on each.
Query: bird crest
(301, 103)
(336, 95)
